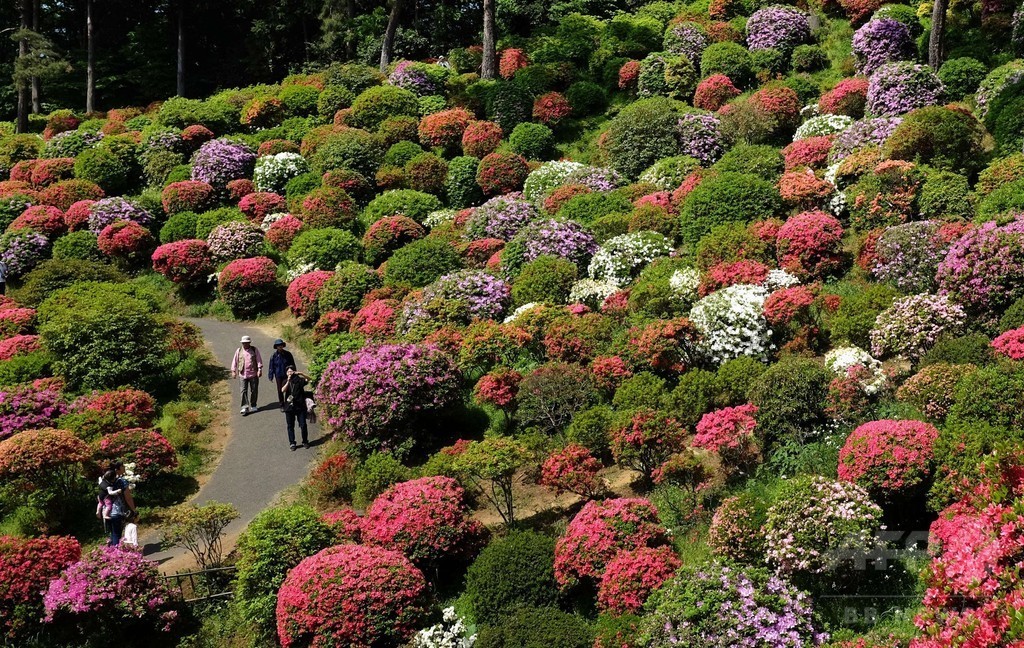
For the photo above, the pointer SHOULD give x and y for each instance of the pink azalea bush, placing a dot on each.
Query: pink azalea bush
(107, 412)
(1010, 344)
(351, 595)
(426, 519)
(248, 285)
(729, 432)
(572, 469)
(632, 575)
(303, 293)
(19, 345)
(889, 458)
(186, 262)
(809, 245)
(149, 450)
(24, 407)
(498, 387)
(27, 565)
(983, 271)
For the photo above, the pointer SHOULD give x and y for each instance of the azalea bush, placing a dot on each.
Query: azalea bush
(631, 577)
(891, 459)
(149, 451)
(248, 285)
(912, 325)
(27, 565)
(572, 469)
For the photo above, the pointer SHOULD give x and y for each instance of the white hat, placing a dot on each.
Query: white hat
(246, 338)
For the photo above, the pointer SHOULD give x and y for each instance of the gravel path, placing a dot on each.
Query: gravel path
(257, 464)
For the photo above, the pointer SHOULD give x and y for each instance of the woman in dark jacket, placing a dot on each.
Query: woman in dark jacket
(279, 362)
(294, 392)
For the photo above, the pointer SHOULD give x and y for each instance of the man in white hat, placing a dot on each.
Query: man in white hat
(247, 365)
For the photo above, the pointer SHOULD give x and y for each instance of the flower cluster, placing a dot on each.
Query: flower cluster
(501, 217)
(700, 136)
(26, 568)
(107, 412)
(484, 296)
(22, 251)
(246, 285)
(565, 239)
(898, 88)
(282, 231)
(632, 575)
(551, 107)
(26, 407)
(572, 469)
(303, 293)
(727, 429)
(48, 221)
(864, 133)
(732, 324)
(412, 76)
(821, 126)
(108, 210)
(908, 255)
(498, 388)
(1010, 344)
(186, 262)
(445, 128)
(149, 451)
(450, 633)
(984, 269)
(481, 138)
(912, 325)
(777, 27)
(620, 258)
(879, 42)
(19, 345)
(890, 459)
(841, 359)
(186, 195)
(235, 240)
(220, 161)
(735, 532)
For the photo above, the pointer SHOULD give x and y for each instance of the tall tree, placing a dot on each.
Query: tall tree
(180, 85)
(489, 67)
(21, 82)
(37, 100)
(90, 62)
(387, 48)
(935, 52)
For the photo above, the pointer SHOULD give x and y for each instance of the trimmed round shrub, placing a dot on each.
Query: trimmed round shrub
(897, 88)
(426, 172)
(218, 162)
(911, 325)
(531, 627)
(532, 141)
(179, 227)
(187, 262)
(351, 149)
(149, 450)
(941, 137)
(790, 398)
(631, 577)
(962, 76)
(586, 98)
(643, 132)
(445, 129)
(407, 202)
(187, 195)
(481, 138)
(730, 59)
(777, 27)
(345, 290)
(501, 173)
(545, 279)
(323, 249)
(512, 572)
(892, 460)
(376, 104)
(501, 217)
(809, 245)
(421, 262)
(460, 185)
(114, 174)
(714, 92)
(389, 234)
(304, 292)
(328, 207)
(233, 240)
(881, 41)
(248, 286)
(727, 198)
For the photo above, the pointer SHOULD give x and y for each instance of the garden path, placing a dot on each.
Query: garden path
(256, 465)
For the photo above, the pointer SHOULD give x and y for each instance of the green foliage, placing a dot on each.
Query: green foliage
(642, 391)
(693, 397)
(808, 58)
(407, 202)
(641, 134)
(111, 172)
(331, 348)
(54, 274)
(754, 159)
(586, 98)
(532, 141)
(376, 474)
(853, 320)
(345, 290)
(376, 104)
(790, 398)
(25, 367)
(511, 104)
(973, 348)
(727, 198)
(651, 295)
(460, 186)
(587, 208)
(1013, 317)
(545, 627)
(589, 428)
(200, 530)
(944, 138)
(736, 377)
(945, 195)
(512, 572)
(401, 152)
(731, 59)
(421, 262)
(275, 541)
(545, 279)
(81, 245)
(1006, 199)
(962, 76)
(959, 452)
(215, 113)
(993, 394)
(351, 149)
(179, 227)
(208, 221)
(324, 248)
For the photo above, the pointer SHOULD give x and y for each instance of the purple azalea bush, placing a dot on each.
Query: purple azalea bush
(23, 250)
(566, 239)
(866, 132)
(983, 270)
(25, 407)
(235, 240)
(373, 395)
(501, 217)
(913, 324)
(879, 42)
(596, 178)
(700, 137)
(483, 295)
(110, 587)
(688, 39)
(908, 255)
(778, 27)
(721, 605)
(898, 88)
(220, 161)
(108, 210)
(411, 76)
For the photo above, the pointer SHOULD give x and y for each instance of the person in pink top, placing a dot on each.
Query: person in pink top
(247, 365)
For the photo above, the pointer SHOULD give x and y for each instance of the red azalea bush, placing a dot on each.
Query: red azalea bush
(328, 207)
(77, 215)
(478, 253)
(848, 98)
(788, 304)
(263, 112)
(808, 152)
(240, 188)
(16, 321)
(351, 595)
(426, 519)
(388, 234)
(48, 221)
(27, 565)
(889, 458)
(275, 146)
(498, 387)
(1010, 344)
(330, 323)
(446, 128)
(599, 531)
(283, 231)
(714, 92)
(609, 372)
(571, 470)
(629, 74)
(551, 107)
(196, 134)
(186, 262)
(248, 285)
(187, 195)
(512, 60)
(632, 575)
(19, 345)
(258, 204)
(779, 102)
(334, 479)
(376, 320)
(502, 173)
(125, 240)
(663, 346)
(561, 195)
(43, 459)
(810, 245)
(723, 275)
(730, 433)
(51, 170)
(801, 188)
(303, 293)
(481, 138)
(107, 412)
(646, 440)
(149, 450)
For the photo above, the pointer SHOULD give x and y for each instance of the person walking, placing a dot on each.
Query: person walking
(3, 278)
(294, 390)
(123, 504)
(247, 365)
(279, 363)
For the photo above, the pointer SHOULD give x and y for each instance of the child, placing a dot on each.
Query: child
(106, 495)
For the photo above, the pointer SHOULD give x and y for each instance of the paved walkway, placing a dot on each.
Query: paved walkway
(257, 464)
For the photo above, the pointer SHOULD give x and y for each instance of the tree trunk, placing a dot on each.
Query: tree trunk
(90, 62)
(37, 100)
(23, 90)
(350, 42)
(938, 29)
(489, 68)
(388, 46)
(180, 88)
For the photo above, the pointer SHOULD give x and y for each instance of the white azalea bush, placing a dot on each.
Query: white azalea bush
(440, 217)
(274, 171)
(450, 633)
(620, 258)
(684, 284)
(591, 292)
(548, 176)
(732, 324)
(823, 125)
(841, 359)
(779, 279)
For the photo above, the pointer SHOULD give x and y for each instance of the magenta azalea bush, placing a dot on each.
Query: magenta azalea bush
(984, 269)
(889, 458)
(248, 285)
(27, 407)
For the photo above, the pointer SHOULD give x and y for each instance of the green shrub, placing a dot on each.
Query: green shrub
(208, 221)
(693, 397)
(545, 627)
(54, 274)
(512, 572)
(664, 73)
(962, 76)
(332, 99)
(853, 320)
(402, 152)
(588, 208)
(736, 377)
(727, 198)
(729, 243)
(589, 428)
(427, 173)
(1013, 317)
(103, 336)
(586, 98)
(324, 248)
(993, 394)
(178, 174)
(545, 279)
(754, 159)
(959, 452)
(1006, 199)
(1007, 124)
(421, 262)
(641, 134)
(215, 113)
(768, 63)
(17, 148)
(642, 391)
(532, 141)
(510, 105)
(376, 104)
(730, 59)
(299, 100)
(397, 129)
(973, 348)
(376, 474)
(80, 245)
(11, 207)
(610, 226)
(808, 58)
(460, 186)
(356, 77)
(408, 202)
(651, 295)
(945, 195)
(179, 227)
(301, 185)
(111, 172)
(942, 137)
(331, 348)
(345, 290)
(275, 541)
(350, 149)
(26, 367)
(790, 398)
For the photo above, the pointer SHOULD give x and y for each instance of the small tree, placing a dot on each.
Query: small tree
(200, 529)
(494, 461)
